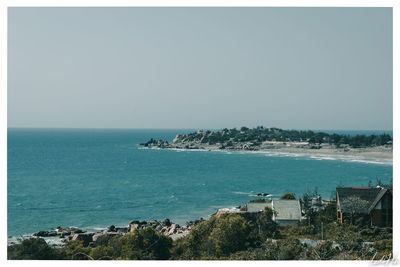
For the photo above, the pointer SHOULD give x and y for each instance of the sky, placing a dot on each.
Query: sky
(292, 68)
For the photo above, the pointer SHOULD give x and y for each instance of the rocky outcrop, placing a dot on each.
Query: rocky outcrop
(156, 143)
(86, 238)
(45, 233)
(165, 227)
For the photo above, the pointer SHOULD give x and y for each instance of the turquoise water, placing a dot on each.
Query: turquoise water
(95, 178)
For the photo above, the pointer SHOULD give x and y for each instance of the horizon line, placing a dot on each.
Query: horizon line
(198, 128)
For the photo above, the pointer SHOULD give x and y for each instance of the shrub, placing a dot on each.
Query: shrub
(288, 196)
(33, 249)
(229, 234)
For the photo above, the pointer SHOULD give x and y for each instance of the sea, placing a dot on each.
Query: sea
(94, 178)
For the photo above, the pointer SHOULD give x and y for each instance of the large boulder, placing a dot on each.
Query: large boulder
(133, 227)
(45, 233)
(172, 229)
(86, 238)
(96, 236)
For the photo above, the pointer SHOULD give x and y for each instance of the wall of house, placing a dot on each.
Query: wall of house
(381, 217)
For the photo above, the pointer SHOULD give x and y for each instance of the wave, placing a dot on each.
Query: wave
(322, 158)
(342, 158)
(243, 193)
(370, 161)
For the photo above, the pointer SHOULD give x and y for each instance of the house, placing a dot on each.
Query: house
(286, 212)
(373, 203)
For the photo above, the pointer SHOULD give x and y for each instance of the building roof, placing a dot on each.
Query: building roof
(257, 206)
(370, 194)
(287, 209)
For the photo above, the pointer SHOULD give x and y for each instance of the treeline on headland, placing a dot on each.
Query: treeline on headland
(256, 136)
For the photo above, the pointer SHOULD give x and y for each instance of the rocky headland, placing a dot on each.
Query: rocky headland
(373, 148)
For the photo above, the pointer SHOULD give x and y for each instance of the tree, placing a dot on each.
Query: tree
(32, 249)
(145, 244)
(354, 205)
(74, 250)
(264, 227)
(229, 234)
(288, 196)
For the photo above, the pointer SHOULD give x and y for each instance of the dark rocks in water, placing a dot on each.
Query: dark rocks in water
(155, 143)
(45, 233)
(111, 228)
(77, 231)
(167, 222)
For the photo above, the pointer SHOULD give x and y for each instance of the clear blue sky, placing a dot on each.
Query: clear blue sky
(306, 68)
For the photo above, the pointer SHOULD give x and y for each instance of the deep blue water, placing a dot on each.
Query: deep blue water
(95, 178)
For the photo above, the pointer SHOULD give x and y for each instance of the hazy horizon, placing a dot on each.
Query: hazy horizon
(194, 129)
(200, 68)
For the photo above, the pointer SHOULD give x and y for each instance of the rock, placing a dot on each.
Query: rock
(86, 238)
(167, 222)
(121, 229)
(76, 231)
(45, 233)
(96, 236)
(172, 229)
(133, 227)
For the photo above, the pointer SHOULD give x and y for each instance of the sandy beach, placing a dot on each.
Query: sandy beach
(377, 155)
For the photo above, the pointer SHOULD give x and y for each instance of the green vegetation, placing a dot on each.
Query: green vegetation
(34, 249)
(246, 236)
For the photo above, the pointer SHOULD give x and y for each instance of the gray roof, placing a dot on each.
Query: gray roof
(370, 194)
(287, 209)
(257, 207)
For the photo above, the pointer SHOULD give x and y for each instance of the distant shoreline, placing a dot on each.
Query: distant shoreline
(374, 155)
(274, 141)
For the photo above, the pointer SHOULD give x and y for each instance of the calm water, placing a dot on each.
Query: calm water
(95, 178)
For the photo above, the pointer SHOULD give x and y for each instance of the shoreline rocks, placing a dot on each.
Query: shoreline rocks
(165, 227)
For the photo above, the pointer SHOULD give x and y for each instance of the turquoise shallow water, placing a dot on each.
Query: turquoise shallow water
(95, 178)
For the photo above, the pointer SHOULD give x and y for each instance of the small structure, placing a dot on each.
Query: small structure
(286, 212)
(228, 210)
(258, 206)
(375, 203)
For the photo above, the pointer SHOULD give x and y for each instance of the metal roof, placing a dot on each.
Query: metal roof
(287, 209)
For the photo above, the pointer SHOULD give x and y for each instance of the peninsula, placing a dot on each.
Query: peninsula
(373, 148)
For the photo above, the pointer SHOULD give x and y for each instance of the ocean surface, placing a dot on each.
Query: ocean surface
(95, 178)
